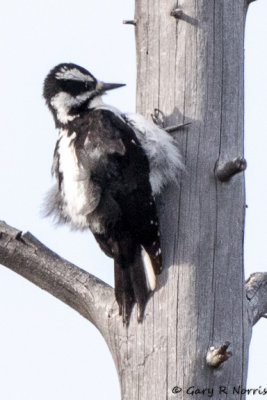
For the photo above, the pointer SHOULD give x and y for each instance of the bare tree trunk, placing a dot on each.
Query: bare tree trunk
(190, 66)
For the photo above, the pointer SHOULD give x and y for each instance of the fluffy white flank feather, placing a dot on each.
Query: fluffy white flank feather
(163, 154)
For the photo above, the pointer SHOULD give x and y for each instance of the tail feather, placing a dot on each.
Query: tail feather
(153, 251)
(149, 270)
(140, 283)
(123, 291)
(133, 284)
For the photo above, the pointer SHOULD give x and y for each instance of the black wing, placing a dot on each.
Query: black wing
(125, 220)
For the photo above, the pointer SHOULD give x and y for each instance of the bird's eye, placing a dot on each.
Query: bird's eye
(74, 87)
(89, 85)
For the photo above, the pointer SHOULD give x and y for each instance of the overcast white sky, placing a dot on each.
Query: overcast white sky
(47, 351)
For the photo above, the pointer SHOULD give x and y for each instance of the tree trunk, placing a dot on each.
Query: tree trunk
(192, 69)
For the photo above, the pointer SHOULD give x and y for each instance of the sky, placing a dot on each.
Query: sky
(47, 350)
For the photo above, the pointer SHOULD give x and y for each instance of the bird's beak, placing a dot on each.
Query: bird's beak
(109, 86)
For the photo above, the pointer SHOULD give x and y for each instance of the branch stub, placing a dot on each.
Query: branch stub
(216, 356)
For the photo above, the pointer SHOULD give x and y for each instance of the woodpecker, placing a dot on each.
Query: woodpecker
(109, 168)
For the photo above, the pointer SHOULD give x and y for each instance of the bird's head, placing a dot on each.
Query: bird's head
(70, 89)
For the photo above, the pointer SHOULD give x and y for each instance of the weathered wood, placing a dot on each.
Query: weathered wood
(25, 255)
(129, 21)
(93, 299)
(192, 68)
(216, 356)
(256, 293)
(228, 169)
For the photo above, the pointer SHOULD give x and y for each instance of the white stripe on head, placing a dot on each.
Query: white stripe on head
(73, 74)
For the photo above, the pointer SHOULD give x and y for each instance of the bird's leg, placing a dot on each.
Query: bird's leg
(158, 117)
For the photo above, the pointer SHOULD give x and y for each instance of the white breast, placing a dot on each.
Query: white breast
(75, 184)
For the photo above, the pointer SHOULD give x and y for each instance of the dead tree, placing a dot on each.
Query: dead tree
(197, 327)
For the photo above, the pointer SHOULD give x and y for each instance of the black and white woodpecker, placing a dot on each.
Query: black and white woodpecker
(109, 168)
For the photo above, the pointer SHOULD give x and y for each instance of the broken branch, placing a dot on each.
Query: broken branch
(216, 356)
(226, 171)
(25, 255)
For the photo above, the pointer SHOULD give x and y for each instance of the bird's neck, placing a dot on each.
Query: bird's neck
(96, 102)
(65, 111)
